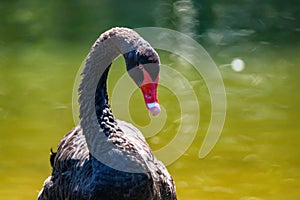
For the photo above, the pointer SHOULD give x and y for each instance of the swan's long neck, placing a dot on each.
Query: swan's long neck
(96, 118)
(105, 140)
(93, 99)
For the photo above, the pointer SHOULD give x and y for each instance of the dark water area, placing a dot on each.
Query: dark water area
(257, 154)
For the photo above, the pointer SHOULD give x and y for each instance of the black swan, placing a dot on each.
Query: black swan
(105, 158)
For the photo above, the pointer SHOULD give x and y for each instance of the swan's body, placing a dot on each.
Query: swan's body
(104, 158)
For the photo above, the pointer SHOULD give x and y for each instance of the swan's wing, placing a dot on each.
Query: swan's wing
(72, 147)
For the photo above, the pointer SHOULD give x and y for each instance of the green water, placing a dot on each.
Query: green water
(256, 157)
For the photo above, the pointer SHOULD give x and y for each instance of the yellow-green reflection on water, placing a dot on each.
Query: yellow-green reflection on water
(257, 156)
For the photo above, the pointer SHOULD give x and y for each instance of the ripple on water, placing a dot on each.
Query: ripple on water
(251, 158)
(218, 189)
(251, 198)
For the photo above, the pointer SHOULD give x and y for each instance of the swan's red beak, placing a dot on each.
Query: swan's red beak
(149, 91)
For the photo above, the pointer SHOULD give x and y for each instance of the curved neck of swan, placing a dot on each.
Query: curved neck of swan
(96, 119)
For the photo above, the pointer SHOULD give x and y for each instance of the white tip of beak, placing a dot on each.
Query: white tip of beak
(153, 108)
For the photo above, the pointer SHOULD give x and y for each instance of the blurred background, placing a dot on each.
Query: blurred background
(43, 43)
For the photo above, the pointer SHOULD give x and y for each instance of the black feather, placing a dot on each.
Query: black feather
(52, 157)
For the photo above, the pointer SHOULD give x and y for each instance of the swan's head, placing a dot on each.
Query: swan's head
(143, 68)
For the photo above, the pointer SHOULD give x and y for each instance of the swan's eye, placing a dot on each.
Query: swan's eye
(137, 64)
(140, 66)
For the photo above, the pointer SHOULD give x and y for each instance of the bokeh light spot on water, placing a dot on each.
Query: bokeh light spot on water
(237, 65)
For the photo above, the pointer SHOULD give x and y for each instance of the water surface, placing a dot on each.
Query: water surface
(256, 157)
